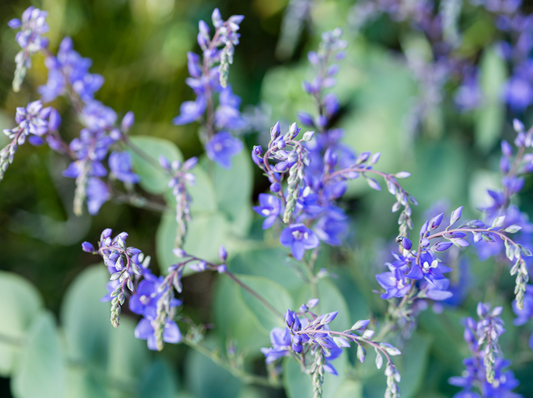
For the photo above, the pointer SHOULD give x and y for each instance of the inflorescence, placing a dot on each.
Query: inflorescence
(308, 173)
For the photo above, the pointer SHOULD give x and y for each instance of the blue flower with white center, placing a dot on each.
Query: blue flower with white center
(269, 207)
(144, 301)
(430, 270)
(32, 119)
(394, 283)
(299, 238)
(222, 147)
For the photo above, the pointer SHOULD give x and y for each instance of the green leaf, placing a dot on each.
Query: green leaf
(128, 356)
(414, 358)
(154, 179)
(206, 232)
(491, 115)
(273, 293)
(208, 380)
(85, 319)
(234, 190)
(202, 193)
(81, 382)
(273, 264)
(158, 382)
(40, 372)
(349, 389)
(21, 303)
(228, 310)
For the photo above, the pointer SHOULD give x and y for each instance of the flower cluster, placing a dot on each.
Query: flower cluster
(317, 165)
(32, 25)
(149, 295)
(417, 275)
(181, 176)
(34, 121)
(209, 76)
(91, 149)
(440, 26)
(125, 264)
(513, 166)
(68, 74)
(309, 339)
(69, 71)
(485, 370)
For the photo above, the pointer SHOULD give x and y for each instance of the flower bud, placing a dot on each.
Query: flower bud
(127, 121)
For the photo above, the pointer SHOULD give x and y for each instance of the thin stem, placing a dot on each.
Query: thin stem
(139, 201)
(309, 268)
(242, 375)
(141, 153)
(255, 294)
(245, 287)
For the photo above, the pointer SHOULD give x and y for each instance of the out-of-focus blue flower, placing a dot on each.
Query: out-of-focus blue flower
(269, 207)
(281, 345)
(121, 164)
(145, 331)
(97, 194)
(69, 67)
(332, 227)
(394, 283)
(299, 238)
(227, 115)
(190, 111)
(518, 93)
(222, 147)
(31, 120)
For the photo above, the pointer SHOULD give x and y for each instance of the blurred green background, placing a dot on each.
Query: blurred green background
(140, 47)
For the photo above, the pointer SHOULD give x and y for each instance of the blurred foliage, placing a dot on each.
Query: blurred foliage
(53, 311)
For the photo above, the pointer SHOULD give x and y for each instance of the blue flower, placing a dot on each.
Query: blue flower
(281, 345)
(120, 164)
(145, 331)
(97, 194)
(190, 111)
(222, 147)
(332, 227)
(394, 283)
(68, 64)
(227, 115)
(431, 269)
(299, 238)
(32, 119)
(269, 207)
(518, 93)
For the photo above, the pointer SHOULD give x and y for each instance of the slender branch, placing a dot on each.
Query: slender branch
(255, 294)
(242, 375)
